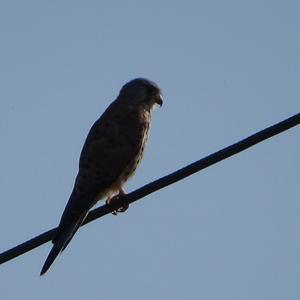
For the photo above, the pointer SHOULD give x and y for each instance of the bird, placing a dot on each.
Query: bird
(110, 155)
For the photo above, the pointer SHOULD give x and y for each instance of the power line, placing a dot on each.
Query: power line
(160, 183)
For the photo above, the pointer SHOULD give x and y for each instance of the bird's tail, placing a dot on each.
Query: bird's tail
(56, 249)
(60, 242)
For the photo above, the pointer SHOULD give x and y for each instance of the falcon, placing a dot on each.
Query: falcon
(110, 155)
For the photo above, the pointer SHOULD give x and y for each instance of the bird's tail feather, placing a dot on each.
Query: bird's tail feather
(60, 243)
(75, 228)
(50, 259)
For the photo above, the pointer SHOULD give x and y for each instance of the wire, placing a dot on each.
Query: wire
(160, 183)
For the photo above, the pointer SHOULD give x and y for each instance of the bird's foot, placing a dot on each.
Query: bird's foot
(114, 199)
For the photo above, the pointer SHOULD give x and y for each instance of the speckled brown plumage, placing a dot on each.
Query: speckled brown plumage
(111, 153)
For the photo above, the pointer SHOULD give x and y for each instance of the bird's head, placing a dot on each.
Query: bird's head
(142, 92)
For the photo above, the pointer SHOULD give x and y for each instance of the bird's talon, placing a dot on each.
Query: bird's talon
(123, 208)
(115, 198)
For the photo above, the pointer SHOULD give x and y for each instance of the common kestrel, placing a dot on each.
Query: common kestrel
(110, 155)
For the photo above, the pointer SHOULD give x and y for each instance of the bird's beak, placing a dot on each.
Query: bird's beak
(159, 100)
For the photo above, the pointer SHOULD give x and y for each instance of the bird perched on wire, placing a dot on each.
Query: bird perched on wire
(110, 155)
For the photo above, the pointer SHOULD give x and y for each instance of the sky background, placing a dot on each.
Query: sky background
(227, 70)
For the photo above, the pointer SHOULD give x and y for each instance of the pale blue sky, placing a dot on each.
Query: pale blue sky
(227, 70)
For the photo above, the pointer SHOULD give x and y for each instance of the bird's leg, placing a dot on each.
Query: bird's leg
(114, 198)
